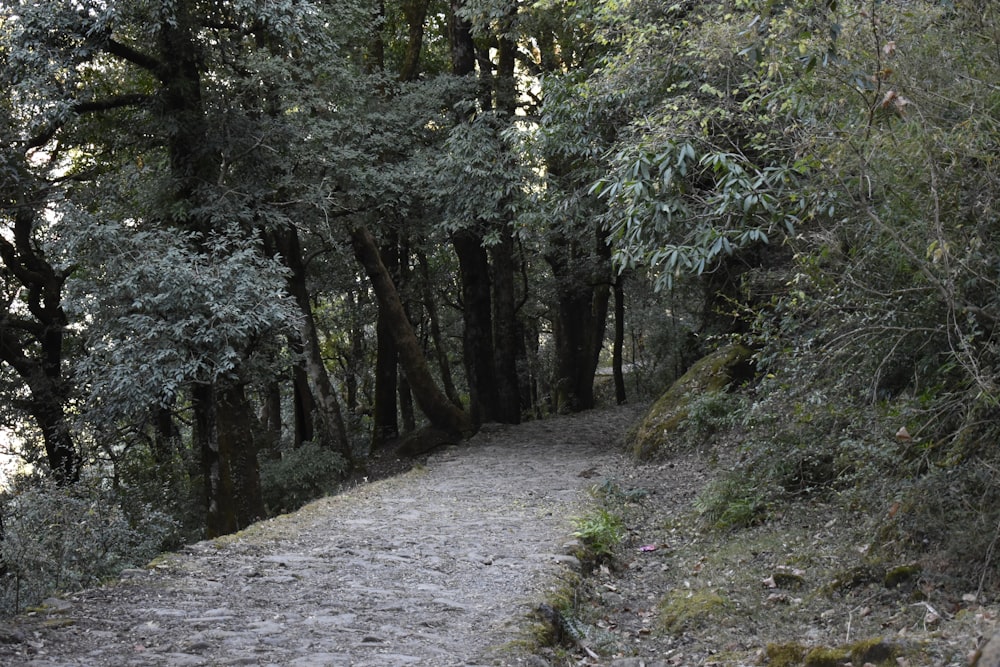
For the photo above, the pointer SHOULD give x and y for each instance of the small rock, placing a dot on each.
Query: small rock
(11, 636)
(56, 605)
(570, 561)
(535, 661)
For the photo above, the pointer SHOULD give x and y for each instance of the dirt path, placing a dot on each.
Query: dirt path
(436, 567)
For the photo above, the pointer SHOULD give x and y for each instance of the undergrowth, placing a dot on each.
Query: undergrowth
(59, 539)
(787, 442)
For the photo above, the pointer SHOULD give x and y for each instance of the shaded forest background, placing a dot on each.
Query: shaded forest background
(247, 245)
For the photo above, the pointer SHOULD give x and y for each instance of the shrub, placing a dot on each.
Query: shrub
(300, 475)
(67, 538)
(600, 532)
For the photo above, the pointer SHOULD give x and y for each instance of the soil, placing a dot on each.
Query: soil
(457, 561)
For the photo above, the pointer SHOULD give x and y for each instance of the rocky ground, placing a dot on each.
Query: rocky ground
(450, 563)
(802, 588)
(438, 566)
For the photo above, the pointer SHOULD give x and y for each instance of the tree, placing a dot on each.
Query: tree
(706, 168)
(575, 129)
(476, 161)
(34, 323)
(150, 99)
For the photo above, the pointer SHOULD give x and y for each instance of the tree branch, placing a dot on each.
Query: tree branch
(133, 56)
(108, 103)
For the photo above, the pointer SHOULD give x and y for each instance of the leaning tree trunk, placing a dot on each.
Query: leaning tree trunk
(441, 412)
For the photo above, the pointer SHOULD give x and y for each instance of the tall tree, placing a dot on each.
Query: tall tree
(33, 323)
(155, 154)
(569, 143)
(481, 220)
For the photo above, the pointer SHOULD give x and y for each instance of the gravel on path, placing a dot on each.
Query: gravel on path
(439, 566)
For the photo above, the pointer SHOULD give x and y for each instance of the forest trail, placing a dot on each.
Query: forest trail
(439, 566)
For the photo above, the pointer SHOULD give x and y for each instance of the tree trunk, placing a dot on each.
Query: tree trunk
(304, 406)
(477, 334)
(220, 499)
(63, 459)
(166, 435)
(46, 402)
(619, 343)
(444, 366)
(385, 411)
(415, 12)
(31, 334)
(270, 419)
(531, 382)
(224, 436)
(235, 430)
(406, 405)
(463, 48)
(505, 332)
(441, 412)
(583, 280)
(331, 418)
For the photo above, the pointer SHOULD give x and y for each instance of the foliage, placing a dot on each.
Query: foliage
(734, 502)
(857, 143)
(65, 539)
(707, 166)
(167, 314)
(168, 479)
(478, 178)
(684, 609)
(300, 475)
(600, 531)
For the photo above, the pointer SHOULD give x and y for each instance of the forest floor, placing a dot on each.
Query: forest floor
(448, 564)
